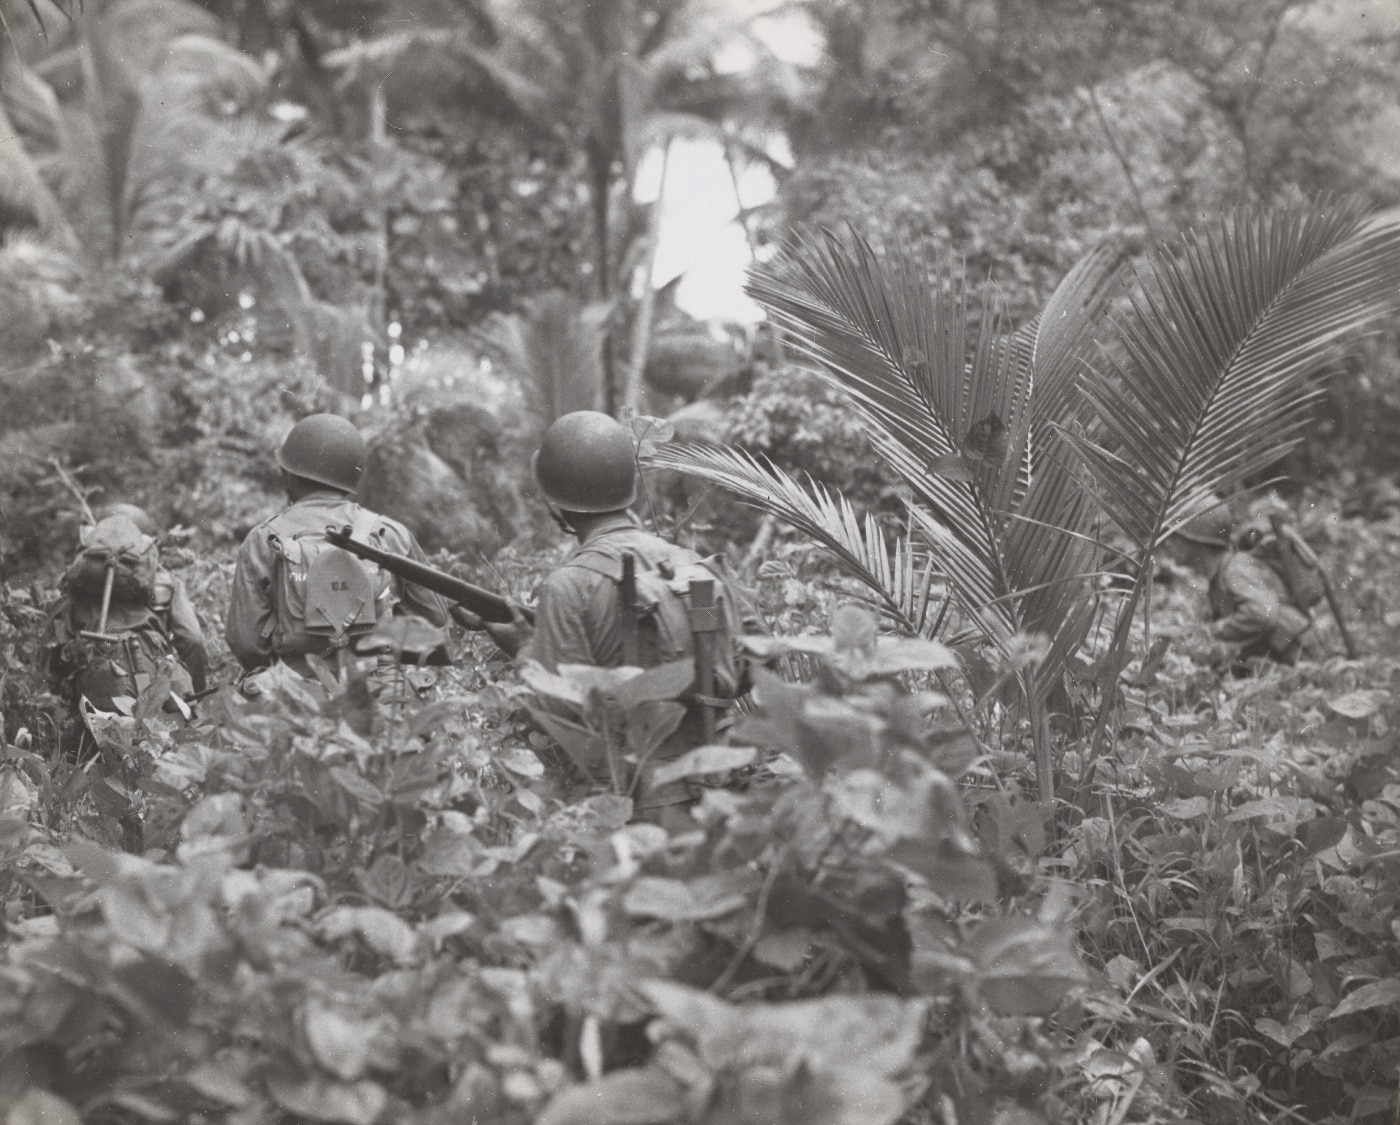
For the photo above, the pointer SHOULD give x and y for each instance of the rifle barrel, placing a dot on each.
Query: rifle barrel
(484, 603)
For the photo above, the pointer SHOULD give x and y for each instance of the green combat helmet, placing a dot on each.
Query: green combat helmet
(327, 449)
(585, 464)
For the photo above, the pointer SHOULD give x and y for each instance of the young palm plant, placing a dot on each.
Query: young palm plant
(998, 506)
(1015, 446)
(1220, 353)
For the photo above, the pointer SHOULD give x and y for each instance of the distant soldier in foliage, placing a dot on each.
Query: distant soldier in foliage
(1262, 588)
(294, 594)
(124, 622)
(624, 596)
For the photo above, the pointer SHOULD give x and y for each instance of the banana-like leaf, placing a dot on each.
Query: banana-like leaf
(900, 580)
(1222, 349)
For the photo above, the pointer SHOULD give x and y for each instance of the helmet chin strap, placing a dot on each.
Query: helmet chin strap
(558, 517)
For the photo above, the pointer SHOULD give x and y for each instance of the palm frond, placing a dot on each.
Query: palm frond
(554, 350)
(900, 580)
(1064, 331)
(1222, 346)
(898, 347)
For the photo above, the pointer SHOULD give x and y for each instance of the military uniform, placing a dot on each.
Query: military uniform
(579, 621)
(251, 628)
(579, 617)
(1253, 606)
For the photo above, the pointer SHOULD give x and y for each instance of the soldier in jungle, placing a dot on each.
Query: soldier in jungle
(123, 619)
(586, 469)
(1262, 591)
(294, 595)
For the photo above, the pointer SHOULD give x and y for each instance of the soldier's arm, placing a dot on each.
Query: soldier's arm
(414, 599)
(250, 607)
(562, 620)
(187, 636)
(1256, 605)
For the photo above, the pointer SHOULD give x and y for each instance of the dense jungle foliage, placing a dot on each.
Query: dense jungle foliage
(1003, 836)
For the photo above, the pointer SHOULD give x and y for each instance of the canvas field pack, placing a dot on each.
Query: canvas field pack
(118, 649)
(116, 546)
(325, 596)
(666, 620)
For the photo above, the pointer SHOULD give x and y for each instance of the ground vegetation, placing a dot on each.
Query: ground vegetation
(1003, 836)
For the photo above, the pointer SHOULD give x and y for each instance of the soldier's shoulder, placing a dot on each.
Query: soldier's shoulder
(387, 525)
(580, 572)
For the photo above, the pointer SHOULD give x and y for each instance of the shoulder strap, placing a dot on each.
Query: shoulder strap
(365, 523)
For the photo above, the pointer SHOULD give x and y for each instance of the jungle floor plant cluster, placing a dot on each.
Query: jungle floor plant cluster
(350, 915)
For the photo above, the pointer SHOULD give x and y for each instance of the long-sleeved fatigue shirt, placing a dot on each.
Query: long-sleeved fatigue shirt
(578, 619)
(252, 612)
(1252, 606)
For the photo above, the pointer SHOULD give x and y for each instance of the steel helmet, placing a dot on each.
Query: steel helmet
(139, 516)
(1211, 528)
(585, 463)
(327, 449)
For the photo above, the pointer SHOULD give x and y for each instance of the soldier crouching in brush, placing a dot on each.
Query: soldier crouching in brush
(1263, 585)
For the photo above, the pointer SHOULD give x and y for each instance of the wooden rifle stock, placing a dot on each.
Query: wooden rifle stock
(484, 603)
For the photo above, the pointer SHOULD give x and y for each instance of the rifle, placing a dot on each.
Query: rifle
(1293, 549)
(484, 603)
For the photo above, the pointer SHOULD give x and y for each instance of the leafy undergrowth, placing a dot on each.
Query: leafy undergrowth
(304, 907)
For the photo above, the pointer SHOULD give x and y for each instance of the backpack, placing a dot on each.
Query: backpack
(115, 546)
(123, 654)
(667, 621)
(324, 596)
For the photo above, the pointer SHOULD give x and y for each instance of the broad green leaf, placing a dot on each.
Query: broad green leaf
(1187, 808)
(692, 900)
(383, 932)
(388, 881)
(656, 685)
(320, 1099)
(1359, 704)
(439, 929)
(1024, 968)
(220, 814)
(703, 760)
(786, 950)
(521, 762)
(625, 1097)
(341, 1041)
(217, 1083)
(1378, 994)
(354, 784)
(449, 854)
(39, 1107)
(1320, 834)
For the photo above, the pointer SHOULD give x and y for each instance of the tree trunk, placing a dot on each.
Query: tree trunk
(646, 310)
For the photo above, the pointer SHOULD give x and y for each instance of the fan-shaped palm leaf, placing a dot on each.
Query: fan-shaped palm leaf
(1222, 346)
(901, 581)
